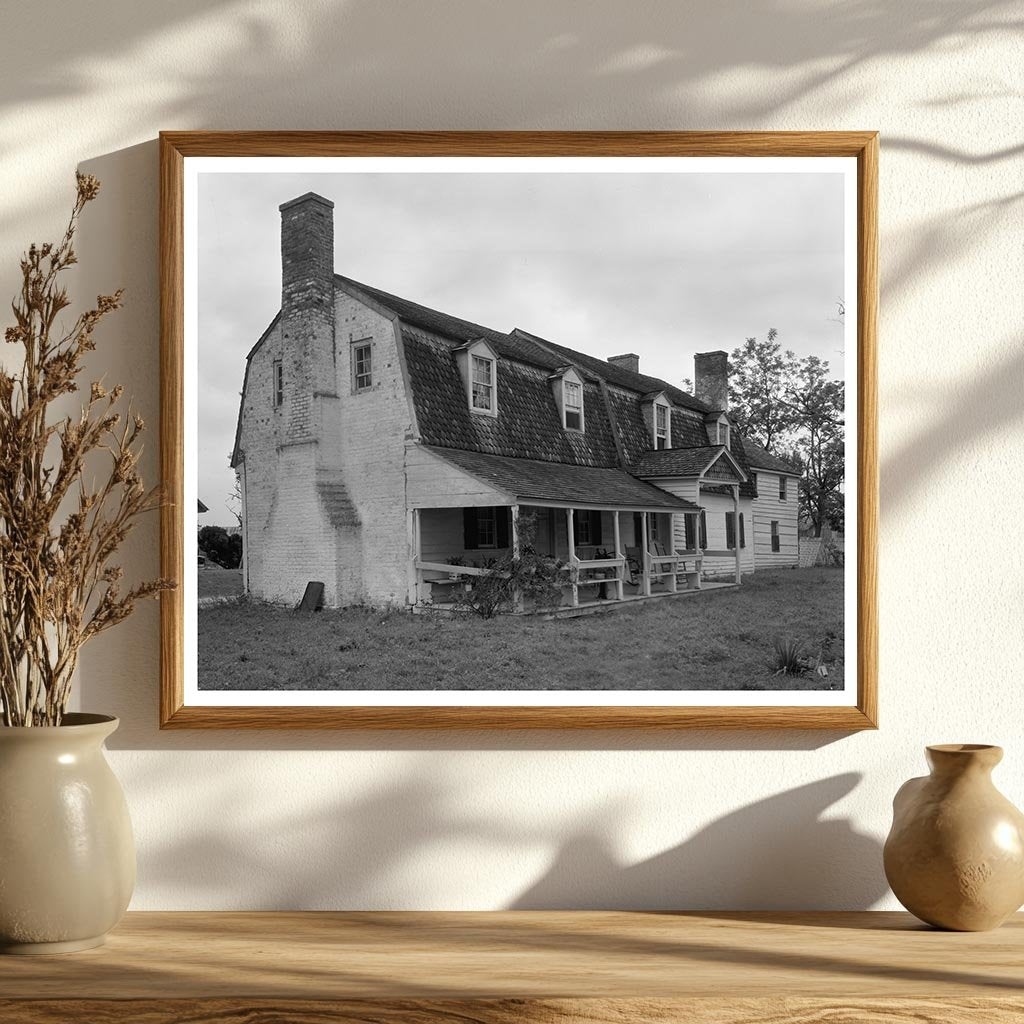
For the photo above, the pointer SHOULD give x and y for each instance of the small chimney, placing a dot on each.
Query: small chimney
(628, 361)
(307, 306)
(711, 373)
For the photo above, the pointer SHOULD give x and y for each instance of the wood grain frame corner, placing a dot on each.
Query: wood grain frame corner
(176, 146)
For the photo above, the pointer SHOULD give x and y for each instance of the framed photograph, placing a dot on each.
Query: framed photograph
(519, 430)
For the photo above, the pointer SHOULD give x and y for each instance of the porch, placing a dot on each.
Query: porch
(605, 555)
(600, 534)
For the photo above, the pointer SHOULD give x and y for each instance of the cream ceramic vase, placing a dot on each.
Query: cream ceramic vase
(955, 855)
(67, 859)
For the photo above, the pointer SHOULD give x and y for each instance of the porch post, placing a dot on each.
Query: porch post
(620, 570)
(736, 528)
(571, 534)
(517, 595)
(645, 534)
(414, 531)
(673, 578)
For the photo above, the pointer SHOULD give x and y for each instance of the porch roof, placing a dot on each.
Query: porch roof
(556, 483)
(683, 462)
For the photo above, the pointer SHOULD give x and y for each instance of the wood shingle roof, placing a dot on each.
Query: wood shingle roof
(589, 487)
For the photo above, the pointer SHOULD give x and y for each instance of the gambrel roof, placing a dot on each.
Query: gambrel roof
(528, 425)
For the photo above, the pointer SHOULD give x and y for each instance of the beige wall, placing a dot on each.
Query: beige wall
(604, 819)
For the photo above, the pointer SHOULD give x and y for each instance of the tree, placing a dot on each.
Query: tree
(796, 411)
(234, 502)
(761, 376)
(818, 405)
(221, 547)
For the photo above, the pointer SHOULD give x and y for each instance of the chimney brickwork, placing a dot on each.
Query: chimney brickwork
(307, 308)
(711, 379)
(628, 361)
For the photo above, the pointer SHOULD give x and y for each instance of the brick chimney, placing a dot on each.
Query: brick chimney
(711, 379)
(628, 361)
(307, 307)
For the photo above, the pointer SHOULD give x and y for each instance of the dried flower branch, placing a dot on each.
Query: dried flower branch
(58, 586)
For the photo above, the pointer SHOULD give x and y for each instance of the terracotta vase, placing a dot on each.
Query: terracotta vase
(955, 854)
(67, 859)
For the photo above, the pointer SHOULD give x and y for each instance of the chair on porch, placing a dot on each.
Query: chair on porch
(634, 566)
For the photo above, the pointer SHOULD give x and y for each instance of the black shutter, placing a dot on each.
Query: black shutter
(743, 536)
(502, 525)
(703, 530)
(730, 530)
(595, 527)
(691, 532)
(469, 529)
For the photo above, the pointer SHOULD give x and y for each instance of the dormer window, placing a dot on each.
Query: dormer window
(723, 432)
(662, 427)
(483, 384)
(478, 367)
(567, 390)
(572, 405)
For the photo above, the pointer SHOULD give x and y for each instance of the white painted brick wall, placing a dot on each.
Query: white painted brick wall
(361, 441)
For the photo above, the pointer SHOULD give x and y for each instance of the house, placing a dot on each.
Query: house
(383, 447)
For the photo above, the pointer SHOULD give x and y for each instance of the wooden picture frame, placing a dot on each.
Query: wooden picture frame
(177, 147)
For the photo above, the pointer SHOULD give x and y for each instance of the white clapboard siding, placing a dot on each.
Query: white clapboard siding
(431, 482)
(715, 507)
(767, 507)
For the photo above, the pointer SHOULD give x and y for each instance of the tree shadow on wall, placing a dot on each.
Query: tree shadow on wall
(375, 849)
(776, 853)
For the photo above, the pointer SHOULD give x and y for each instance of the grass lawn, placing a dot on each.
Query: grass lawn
(721, 640)
(215, 581)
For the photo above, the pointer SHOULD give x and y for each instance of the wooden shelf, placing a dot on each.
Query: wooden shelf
(499, 968)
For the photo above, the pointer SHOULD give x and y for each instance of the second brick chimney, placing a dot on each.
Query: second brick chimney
(629, 361)
(307, 307)
(711, 379)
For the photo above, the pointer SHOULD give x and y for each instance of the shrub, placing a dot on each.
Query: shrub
(788, 660)
(534, 577)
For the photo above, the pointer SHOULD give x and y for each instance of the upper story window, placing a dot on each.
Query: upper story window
(567, 391)
(782, 488)
(278, 383)
(662, 427)
(478, 368)
(572, 405)
(362, 366)
(723, 432)
(483, 384)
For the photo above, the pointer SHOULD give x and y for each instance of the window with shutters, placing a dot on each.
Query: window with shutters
(483, 384)
(586, 525)
(278, 384)
(782, 488)
(486, 527)
(690, 526)
(572, 405)
(776, 544)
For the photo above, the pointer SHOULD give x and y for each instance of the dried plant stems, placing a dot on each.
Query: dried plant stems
(58, 585)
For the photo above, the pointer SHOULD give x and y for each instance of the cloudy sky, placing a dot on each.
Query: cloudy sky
(664, 265)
